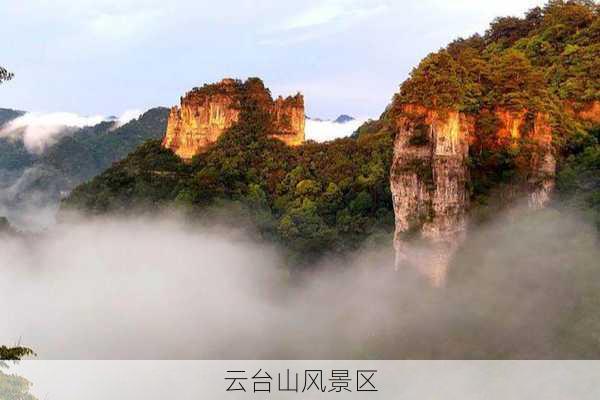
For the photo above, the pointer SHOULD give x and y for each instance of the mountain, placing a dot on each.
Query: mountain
(7, 115)
(321, 130)
(312, 198)
(206, 112)
(491, 111)
(484, 173)
(343, 118)
(32, 184)
(478, 125)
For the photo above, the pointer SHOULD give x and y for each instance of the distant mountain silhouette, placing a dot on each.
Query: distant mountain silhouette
(342, 119)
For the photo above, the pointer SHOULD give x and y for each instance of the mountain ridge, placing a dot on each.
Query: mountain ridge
(32, 180)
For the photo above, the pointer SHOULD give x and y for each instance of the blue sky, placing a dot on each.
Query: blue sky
(107, 56)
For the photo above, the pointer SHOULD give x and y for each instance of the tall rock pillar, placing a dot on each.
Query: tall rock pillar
(429, 187)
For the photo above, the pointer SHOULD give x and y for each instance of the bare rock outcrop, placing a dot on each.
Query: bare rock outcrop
(532, 130)
(205, 113)
(429, 185)
(430, 177)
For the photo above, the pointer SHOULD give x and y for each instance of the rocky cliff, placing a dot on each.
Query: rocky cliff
(205, 113)
(500, 107)
(531, 135)
(430, 176)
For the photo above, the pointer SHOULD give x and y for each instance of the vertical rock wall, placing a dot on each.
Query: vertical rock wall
(429, 186)
(543, 163)
(199, 123)
(288, 117)
(205, 113)
(535, 134)
(430, 176)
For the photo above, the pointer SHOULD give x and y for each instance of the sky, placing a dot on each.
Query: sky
(103, 57)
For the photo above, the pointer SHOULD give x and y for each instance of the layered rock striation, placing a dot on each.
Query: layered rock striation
(206, 113)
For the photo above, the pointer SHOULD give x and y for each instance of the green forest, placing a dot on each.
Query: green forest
(312, 199)
(330, 197)
(551, 54)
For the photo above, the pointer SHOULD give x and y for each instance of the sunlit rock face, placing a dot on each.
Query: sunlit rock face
(196, 124)
(517, 126)
(288, 115)
(429, 186)
(587, 113)
(205, 113)
(430, 177)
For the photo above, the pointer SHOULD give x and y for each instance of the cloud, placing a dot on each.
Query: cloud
(124, 25)
(40, 130)
(321, 14)
(30, 199)
(127, 116)
(93, 288)
(329, 12)
(322, 19)
(321, 131)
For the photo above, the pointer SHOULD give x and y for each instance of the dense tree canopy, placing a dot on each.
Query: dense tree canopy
(311, 198)
(551, 54)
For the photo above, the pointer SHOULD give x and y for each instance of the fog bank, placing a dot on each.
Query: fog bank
(323, 130)
(39, 130)
(157, 288)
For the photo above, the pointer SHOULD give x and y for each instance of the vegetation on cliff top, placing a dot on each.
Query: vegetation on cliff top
(241, 91)
(551, 54)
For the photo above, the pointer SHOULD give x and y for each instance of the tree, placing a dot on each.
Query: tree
(5, 75)
(13, 386)
(437, 82)
(14, 353)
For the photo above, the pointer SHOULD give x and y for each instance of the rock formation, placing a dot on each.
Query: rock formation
(516, 127)
(430, 176)
(429, 185)
(205, 113)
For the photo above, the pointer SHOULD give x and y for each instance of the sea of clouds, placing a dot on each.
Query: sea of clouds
(324, 130)
(39, 130)
(160, 288)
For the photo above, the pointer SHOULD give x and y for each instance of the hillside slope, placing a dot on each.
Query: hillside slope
(312, 198)
(32, 184)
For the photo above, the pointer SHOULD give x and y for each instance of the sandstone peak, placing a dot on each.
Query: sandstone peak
(206, 112)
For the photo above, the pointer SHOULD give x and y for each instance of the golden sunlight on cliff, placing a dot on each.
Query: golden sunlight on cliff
(205, 113)
(430, 175)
